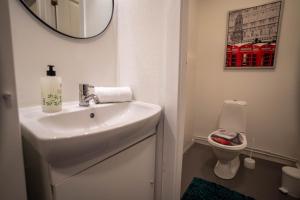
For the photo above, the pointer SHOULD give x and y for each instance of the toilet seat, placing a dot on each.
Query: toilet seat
(227, 147)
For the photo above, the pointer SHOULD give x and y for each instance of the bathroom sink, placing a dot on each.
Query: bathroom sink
(85, 131)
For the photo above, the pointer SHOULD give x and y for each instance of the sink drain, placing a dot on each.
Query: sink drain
(92, 115)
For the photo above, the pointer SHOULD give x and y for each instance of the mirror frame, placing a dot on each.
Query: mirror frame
(74, 37)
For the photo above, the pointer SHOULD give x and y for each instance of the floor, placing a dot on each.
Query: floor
(261, 183)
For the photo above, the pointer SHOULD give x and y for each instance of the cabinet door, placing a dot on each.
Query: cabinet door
(128, 175)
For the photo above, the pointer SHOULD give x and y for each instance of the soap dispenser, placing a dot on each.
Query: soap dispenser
(51, 91)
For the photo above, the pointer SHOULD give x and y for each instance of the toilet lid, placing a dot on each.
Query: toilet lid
(292, 171)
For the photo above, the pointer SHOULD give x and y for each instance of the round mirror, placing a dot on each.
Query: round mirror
(74, 18)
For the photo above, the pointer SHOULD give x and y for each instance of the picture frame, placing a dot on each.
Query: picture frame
(252, 36)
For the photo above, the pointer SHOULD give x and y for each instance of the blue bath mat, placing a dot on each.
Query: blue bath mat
(200, 189)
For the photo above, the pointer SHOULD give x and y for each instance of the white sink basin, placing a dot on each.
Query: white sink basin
(85, 131)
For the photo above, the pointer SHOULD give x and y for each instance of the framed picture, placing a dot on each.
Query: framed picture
(252, 35)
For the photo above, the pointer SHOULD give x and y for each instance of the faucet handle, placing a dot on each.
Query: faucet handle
(96, 99)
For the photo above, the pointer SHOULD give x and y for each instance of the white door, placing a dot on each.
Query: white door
(128, 175)
(68, 17)
(12, 181)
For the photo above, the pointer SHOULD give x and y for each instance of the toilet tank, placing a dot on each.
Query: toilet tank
(233, 116)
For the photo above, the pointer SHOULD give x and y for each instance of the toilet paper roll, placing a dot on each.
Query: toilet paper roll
(249, 163)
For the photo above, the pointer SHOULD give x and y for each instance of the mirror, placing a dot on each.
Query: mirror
(74, 18)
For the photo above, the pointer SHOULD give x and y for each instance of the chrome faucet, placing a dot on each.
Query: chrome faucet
(84, 96)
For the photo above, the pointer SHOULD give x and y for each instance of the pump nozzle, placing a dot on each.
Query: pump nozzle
(50, 71)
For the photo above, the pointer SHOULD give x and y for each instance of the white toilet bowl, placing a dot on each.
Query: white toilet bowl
(228, 157)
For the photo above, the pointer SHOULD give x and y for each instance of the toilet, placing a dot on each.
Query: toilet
(233, 119)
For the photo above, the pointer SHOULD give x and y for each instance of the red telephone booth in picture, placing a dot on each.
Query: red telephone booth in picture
(268, 53)
(246, 52)
(229, 56)
(257, 55)
(235, 56)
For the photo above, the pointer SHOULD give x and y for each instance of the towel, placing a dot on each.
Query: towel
(113, 94)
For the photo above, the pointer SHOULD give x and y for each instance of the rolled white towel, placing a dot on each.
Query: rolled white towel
(113, 94)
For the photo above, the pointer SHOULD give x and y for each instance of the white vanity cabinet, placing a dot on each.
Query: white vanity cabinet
(100, 152)
(128, 175)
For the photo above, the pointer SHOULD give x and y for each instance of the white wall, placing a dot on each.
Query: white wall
(273, 95)
(92, 61)
(141, 47)
(173, 121)
(12, 178)
(148, 61)
(188, 38)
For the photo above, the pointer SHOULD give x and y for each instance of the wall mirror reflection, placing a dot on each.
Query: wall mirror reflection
(74, 18)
